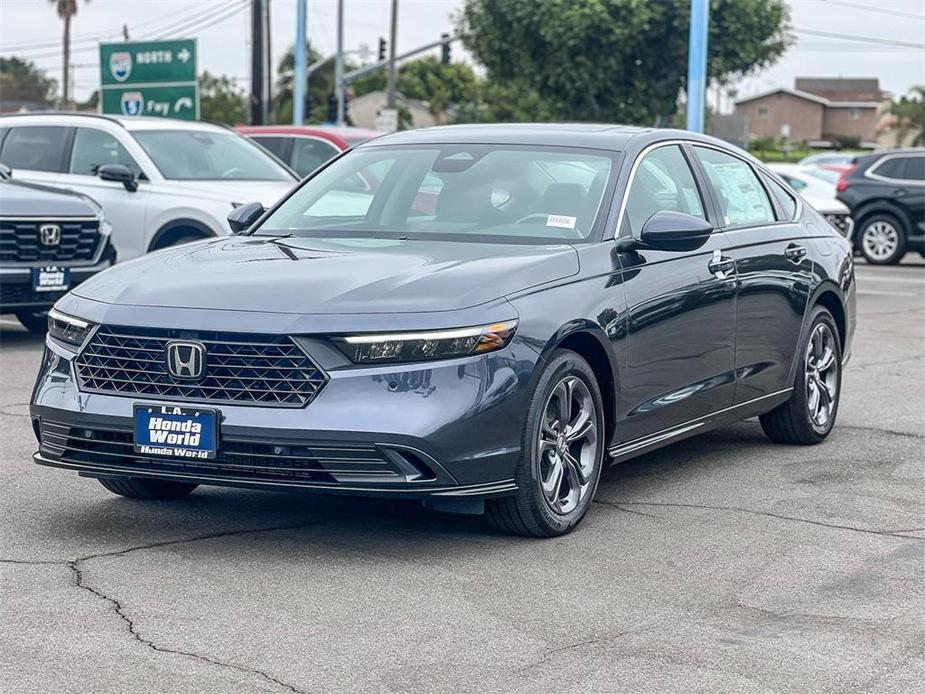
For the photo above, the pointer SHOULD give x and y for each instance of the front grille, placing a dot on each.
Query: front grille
(841, 222)
(241, 369)
(331, 463)
(20, 241)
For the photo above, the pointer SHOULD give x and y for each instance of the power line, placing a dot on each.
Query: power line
(860, 39)
(878, 10)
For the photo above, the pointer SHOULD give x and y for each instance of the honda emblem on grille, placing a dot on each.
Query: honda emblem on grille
(50, 234)
(186, 360)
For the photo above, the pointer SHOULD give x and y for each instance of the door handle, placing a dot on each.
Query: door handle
(899, 192)
(721, 265)
(795, 253)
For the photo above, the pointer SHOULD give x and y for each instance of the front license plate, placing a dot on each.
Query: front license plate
(51, 279)
(176, 432)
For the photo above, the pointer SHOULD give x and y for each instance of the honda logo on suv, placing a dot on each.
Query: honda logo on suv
(186, 360)
(50, 234)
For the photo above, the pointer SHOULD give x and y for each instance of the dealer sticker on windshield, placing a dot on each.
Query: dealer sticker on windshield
(560, 220)
(176, 432)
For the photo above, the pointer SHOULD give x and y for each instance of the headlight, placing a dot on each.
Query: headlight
(426, 346)
(68, 329)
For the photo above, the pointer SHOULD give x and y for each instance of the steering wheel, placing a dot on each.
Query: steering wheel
(230, 173)
(542, 217)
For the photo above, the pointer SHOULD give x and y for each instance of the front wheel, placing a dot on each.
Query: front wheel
(35, 322)
(151, 489)
(882, 240)
(562, 453)
(809, 415)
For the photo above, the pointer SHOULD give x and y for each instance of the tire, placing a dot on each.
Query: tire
(150, 489)
(881, 239)
(36, 322)
(799, 420)
(568, 389)
(180, 240)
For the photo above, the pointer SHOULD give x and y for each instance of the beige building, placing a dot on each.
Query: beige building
(818, 110)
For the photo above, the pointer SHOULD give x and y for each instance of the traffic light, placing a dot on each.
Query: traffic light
(445, 49)
(332, 108)
(382, 45)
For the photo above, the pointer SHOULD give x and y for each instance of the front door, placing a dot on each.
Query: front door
(681, 325)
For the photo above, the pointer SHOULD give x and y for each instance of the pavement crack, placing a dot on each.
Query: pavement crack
(768, 514)
(619, 507)
(880, 430)
(548, 654)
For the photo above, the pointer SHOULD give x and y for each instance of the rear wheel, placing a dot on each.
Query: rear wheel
(809, 415)
(142, 488)
(563, 449)
(34, 321)
(882, 239)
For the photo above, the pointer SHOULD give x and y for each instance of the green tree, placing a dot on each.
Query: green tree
(21, 80)
(221, 99)
(616, 60)
(320, 87)
(910, 116)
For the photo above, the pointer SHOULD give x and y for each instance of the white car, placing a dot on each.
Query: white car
(160, 182)
(817, 187)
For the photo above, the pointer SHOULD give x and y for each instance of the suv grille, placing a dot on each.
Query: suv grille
(243, 369)
(20, 241)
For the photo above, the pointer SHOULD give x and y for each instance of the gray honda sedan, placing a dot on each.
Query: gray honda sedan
(478, 317)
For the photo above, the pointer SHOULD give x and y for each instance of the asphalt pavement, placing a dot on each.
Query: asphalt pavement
(720, 564)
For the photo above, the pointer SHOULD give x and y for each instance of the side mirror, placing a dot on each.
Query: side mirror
(670, 231)
(119, 173)
(244, 216)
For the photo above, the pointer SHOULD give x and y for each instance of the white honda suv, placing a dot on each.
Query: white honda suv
(160, 182)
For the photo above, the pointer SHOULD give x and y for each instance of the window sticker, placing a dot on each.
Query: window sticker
(745, 199)
(560, 220)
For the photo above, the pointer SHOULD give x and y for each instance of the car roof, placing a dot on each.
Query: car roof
(130, 123)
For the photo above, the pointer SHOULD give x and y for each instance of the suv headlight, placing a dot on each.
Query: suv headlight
(426, 345)
(68, 329)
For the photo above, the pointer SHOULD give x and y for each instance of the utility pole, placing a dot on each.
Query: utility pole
(393, 35)
(299, 86)
(260, 77)
(697, 64)
(339, 64)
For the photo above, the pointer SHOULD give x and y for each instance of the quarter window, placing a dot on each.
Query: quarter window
(663, 181)
(742, 198)
(35, 148)
(891, 168)
(94, 148)
(784, 199)
(915, 169)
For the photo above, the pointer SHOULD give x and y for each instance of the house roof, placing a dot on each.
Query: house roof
(821, 100)
(841, 88)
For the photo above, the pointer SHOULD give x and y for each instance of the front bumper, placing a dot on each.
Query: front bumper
(449, 429)
(17, 294)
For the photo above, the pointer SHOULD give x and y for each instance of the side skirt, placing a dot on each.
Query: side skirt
(735, 413)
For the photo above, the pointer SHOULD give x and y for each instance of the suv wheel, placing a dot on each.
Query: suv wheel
(809, 415)
(563, 450)
(882, 239)
(142, 488)
(35, 322)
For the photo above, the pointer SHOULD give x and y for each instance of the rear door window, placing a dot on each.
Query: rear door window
(276, 145)
(308, 154)
(35, 148)
(741, 197)
(915, 169)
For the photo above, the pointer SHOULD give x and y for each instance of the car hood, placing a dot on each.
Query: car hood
(304, 276)
(22, 199)
(264, 192)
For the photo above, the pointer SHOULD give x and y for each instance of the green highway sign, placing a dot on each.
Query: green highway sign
(180, 101)
(150, 78)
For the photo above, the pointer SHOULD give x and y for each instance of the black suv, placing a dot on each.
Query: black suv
(50, 241)
(885, 192)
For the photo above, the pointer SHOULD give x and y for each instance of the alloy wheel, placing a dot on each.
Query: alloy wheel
(880, 240)
(568, 445)
(821, 376)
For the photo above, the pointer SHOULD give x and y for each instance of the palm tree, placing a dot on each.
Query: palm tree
(66, 10)
(910, 116)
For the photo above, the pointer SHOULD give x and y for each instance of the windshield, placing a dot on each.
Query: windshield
(196, 155)
(500, 193)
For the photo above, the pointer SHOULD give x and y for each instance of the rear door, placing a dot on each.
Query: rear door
(36, 153)
(681, 344)
(773, 269)
(910, 193)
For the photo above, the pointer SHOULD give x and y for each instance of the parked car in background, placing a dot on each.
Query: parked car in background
(160, 182)
(817, 187)
(576, 295)
(304, 148)
(833, 161)
(885, 192)
(50, 241)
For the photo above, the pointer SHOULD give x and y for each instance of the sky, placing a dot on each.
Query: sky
(30, 28)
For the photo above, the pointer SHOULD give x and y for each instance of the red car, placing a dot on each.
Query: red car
(304, 147)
